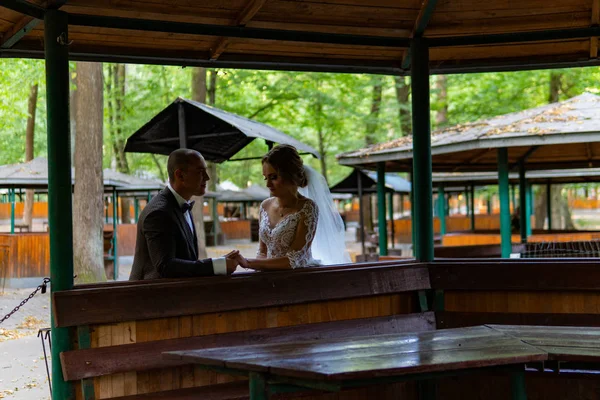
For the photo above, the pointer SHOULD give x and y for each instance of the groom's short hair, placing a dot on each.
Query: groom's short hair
(180, 159)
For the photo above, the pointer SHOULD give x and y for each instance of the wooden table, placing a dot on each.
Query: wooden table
(361, 361)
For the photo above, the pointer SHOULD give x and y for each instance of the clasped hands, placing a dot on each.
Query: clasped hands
(233, 259)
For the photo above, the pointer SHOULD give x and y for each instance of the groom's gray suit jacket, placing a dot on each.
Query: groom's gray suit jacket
(165, 245)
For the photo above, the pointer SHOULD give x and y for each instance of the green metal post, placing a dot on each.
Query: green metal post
(412, 215)
(513, 197)
(529, 198)
(136, 209)
(361, 215)
(489, 204)
(549, 205)
(11, 195)
(472, 206)
(517, 383)
(149, 197)
(59, 181)
(115, 199)
(467, 202)
(106, 210)
(523, 214)
(257, 386)
(391, 215)
(383, 243)
(422, 169)
(442, 209)
(503, 192)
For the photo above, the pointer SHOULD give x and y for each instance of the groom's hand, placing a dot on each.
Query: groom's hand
(231, 260)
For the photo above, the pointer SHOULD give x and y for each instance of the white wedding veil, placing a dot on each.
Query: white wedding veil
(329, 245)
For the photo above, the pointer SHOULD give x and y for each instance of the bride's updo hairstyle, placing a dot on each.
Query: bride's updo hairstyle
(288, 163)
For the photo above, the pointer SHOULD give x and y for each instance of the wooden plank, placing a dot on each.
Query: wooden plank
(454, 319)
(489, 275)
(91, 306)
(17, 31)
(226, 391)
(367, 357)
(79, 364)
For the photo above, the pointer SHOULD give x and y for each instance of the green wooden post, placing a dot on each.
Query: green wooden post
(60, 210)
(529, 201)
(412, 216)
(523, 214)
(503, 192)
(115, 199)
(149, 197)
(549, 204)
(442, 209)
(489, 204)
(136, 209)
(422, 169)
(383, 243)
(11, 195)
(467, 202)
(472, 206)
(391, 215)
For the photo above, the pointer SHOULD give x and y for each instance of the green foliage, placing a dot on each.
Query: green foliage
(335, 107)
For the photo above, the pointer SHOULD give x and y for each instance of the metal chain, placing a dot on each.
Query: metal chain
(41, 287)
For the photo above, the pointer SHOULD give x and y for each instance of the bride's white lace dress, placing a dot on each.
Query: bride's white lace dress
(278, 239)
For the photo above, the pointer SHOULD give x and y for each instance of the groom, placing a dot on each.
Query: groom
(166, 243)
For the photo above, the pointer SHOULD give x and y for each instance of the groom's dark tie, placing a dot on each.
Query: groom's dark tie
(187, 206)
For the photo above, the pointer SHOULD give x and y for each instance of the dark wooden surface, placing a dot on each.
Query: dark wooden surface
(457, 319)
(87, 363)
(546, 274)
(375, 356)
(217, 294)
(561, 343)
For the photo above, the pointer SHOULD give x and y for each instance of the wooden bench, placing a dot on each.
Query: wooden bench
(122, 329)
(546, 292)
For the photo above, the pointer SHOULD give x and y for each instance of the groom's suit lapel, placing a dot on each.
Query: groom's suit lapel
(183, 225)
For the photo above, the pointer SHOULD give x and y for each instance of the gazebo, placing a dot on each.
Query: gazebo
(34, 175)
(361, 182)
(401, 38)
(558, 135)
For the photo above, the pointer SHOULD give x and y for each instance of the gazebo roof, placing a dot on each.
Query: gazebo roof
(253, 193)
(553, 136)
(561, 176)
(349, 184)
(34, 174)
(328, 35)
(217, 134)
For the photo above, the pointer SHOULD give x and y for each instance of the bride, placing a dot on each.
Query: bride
(299, 225)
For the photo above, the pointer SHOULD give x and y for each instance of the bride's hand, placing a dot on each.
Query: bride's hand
(242, 261)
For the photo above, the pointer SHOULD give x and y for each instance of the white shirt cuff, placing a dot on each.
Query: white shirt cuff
(219, 266)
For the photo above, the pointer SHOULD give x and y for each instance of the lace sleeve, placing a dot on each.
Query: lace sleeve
(300, 254)
(260, 253)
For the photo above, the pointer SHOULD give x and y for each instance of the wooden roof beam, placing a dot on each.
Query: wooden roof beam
(252, 7)
(18, 31)
(595, 21)
(25, 24)
(425, 14)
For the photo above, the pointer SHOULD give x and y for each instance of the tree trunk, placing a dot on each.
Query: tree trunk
(540, 208)
(441, 86)
(213, 172)
(402, 94)
(29, 142)
(320, 133)
(555, 82)
(116, 97)
(199, 94)
(87, 198)
(373, 118)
